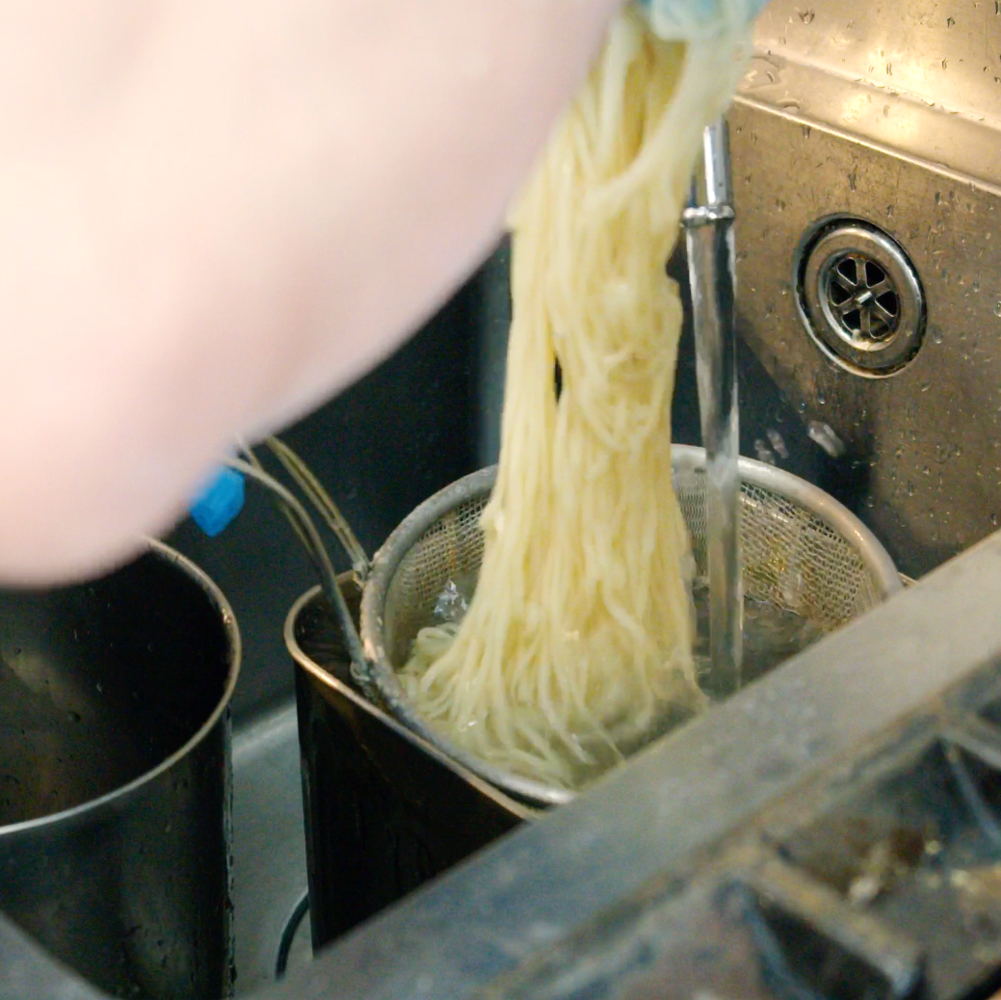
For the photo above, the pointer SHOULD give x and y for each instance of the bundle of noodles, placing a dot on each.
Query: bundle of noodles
(579, 636)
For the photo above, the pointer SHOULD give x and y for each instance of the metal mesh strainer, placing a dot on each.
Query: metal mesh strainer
(801, 550)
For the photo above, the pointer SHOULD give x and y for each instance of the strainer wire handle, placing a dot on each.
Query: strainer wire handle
(252, 458)
(323, 502)
(320, 558)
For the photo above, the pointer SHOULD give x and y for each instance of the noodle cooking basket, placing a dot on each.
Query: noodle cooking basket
(800, 550)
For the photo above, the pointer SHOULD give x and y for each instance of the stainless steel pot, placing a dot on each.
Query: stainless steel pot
(385, 811)
(115, 776)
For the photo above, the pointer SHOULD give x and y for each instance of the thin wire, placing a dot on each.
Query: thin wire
(297, 468)
(252, 458)
(321, 562)
(299, 911)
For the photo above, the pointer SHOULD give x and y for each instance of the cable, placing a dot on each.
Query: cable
(299, 911)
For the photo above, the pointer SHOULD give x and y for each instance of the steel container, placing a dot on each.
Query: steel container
(385, 810)
(115, 776)
(389, 802)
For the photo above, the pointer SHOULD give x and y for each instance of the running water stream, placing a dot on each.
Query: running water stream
(708, 223)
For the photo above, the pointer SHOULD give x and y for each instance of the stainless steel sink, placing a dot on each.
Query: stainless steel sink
(880, 120)
(922, 80)
(863, 134)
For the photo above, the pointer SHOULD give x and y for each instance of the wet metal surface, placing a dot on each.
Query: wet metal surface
(269, 852)
(889, 114)
(922, 79)
(922, 455)
(114, 776)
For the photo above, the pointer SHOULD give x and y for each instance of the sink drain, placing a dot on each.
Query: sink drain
(860, 297)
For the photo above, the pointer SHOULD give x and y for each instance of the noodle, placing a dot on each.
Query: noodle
(579, 636)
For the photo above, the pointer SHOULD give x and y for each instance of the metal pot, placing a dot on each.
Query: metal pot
(115, 776)
(385, 810)
(389, 802)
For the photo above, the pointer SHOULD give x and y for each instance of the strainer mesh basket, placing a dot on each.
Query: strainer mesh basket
(791, 557)
(452, 548)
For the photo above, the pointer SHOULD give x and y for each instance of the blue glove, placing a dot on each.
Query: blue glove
(686, 20)
(218, 503)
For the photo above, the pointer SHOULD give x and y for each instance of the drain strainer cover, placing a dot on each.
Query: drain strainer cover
(860, 297)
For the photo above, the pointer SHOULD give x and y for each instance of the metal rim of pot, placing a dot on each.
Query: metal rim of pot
(381, 672)
(228, 619)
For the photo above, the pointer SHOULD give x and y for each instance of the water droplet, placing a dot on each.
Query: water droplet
(976, 284)
(997, 308)
(763, 452)
(936, 334)
(889, 69)
(826, 437)
(949, 22)
(777, 443)
(945, 64)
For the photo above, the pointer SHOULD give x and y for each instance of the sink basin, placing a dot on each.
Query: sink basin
(923, 80)
(887, 116)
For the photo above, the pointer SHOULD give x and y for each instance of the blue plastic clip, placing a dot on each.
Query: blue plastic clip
(218, 504)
